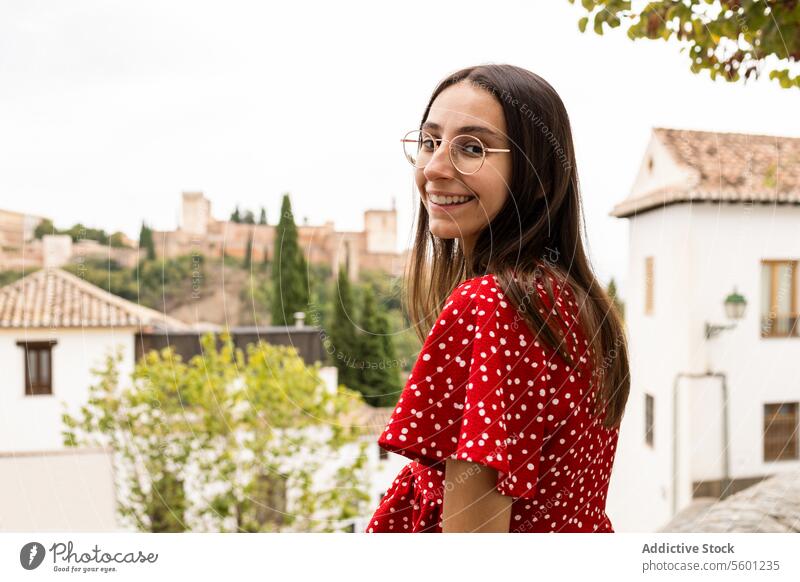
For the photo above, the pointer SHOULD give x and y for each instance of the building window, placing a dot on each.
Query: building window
(648, 286)
(649, 419)
(38, 366)
(779, 303)
(780, 431)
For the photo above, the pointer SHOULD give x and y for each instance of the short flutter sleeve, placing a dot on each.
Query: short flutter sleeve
(471, 395)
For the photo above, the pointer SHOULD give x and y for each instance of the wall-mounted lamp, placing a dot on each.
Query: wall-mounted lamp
(735, 305)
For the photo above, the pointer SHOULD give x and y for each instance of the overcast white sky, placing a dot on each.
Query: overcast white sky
(109, 109)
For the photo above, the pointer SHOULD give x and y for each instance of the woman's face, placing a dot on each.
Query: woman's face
(465, 109)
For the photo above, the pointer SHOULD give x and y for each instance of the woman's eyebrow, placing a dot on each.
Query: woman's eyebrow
(430, 125)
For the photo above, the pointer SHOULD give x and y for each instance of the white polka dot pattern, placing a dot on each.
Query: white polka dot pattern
(485, 390)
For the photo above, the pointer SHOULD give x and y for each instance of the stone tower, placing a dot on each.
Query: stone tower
(195, 213)
(380, 228)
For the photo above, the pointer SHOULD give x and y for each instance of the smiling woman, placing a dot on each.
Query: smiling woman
(511, 413)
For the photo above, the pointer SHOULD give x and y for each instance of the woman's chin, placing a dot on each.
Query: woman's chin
(446, 233)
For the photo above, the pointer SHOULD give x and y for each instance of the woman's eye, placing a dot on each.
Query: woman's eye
(472, 149)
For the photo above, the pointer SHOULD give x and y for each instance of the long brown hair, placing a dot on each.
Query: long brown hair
(536, 235)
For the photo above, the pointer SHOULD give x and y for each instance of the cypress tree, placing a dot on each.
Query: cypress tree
(377, 370)
(612, 293)
(392, 383)
(248, 252)
(263, 218)
(342, 333)
(236, 216)
(289, 273)
(146, 241)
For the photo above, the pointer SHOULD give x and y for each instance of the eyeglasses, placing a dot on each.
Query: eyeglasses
(467, 153)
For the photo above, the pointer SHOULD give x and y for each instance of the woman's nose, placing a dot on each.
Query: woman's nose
(440, 165)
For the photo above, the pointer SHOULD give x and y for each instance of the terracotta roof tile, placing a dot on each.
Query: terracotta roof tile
(729, 167)
(53, 298)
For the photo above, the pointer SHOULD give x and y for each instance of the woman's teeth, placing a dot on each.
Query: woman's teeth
(444, 200)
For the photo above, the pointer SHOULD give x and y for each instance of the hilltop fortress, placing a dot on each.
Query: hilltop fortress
(373, 248)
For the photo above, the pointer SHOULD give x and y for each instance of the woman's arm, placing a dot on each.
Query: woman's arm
(471, 501)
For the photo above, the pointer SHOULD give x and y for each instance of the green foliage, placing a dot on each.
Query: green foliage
(146, 241)
(363, 352)
(731, 39)
(116, 240)
(80, 232)
(44, 227)
(612, 293)
(321, 290)
(153, 283)
(342, 341)
(377, 369)
(401, 337)
(256, 297)
(217, 443)
(248, 216)
(248, 253)
(8, 277)
(289, 270)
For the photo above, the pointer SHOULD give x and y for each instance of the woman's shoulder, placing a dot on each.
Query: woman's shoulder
(484, 296)
(478, 287)
(477, 295)
(489, 288)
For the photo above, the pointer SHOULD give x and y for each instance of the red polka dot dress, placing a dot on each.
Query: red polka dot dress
(484, 390)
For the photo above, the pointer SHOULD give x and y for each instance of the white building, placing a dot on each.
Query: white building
(709, 214)
(54, 328)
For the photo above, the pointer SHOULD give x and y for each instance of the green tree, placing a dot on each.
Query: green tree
(404, 342)
(289, 270)
(343, 341)
(377, 374)
(117, 240)
(612, 293)
(236, 216)
(80, 232)
(248, 253)
(44, 227)
(146, 241)
(732, 39)
(391, 378)
(213, 443)
(256, 298)
(249, 217)
(262, 219)
(160, 284)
